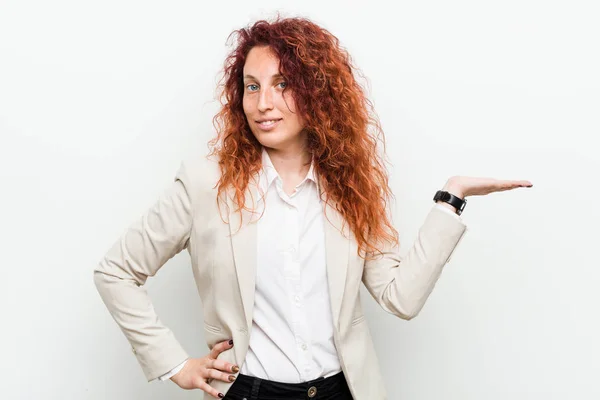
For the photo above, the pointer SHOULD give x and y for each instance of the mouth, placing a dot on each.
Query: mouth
(268, 124)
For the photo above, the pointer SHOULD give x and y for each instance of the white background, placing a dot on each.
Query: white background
(99, 101)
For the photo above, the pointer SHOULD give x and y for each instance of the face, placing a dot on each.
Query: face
(271, 114)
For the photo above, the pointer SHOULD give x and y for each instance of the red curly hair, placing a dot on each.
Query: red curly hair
(338, 116)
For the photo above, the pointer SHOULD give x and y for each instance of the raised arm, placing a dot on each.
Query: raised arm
(401, 285)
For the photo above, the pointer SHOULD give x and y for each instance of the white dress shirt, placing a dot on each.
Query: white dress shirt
(291, 339)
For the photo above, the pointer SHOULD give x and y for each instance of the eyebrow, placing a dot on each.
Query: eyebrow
(272, 77)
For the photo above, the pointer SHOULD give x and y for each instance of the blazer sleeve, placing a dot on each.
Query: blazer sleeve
(401, 285)
(147, 244)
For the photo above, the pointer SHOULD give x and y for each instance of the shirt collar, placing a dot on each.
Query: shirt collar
(268, 173)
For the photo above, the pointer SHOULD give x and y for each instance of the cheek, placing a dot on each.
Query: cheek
(297, 121)
(291, 111)
(294, 118)
(290, 104)
(246, 105)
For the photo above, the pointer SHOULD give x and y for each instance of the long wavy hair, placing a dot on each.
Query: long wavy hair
(341, 125)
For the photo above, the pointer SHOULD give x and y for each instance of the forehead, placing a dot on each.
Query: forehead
(261, 62)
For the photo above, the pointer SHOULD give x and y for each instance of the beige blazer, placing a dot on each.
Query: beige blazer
(223, 263)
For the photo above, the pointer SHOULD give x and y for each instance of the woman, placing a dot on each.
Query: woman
(283, 221)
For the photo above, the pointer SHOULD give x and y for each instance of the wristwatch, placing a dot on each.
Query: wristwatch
(451, 199)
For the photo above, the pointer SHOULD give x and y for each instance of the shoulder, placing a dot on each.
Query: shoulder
(199, 173)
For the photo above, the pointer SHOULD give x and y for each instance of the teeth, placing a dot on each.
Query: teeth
(267, 123)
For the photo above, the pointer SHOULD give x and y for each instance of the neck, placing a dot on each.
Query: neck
(290, 163)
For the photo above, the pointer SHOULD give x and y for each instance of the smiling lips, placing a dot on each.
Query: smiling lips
(268, 125)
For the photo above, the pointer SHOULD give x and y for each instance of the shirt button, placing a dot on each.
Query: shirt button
(304, 346)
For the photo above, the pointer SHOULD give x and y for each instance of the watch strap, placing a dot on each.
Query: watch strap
(454, 201)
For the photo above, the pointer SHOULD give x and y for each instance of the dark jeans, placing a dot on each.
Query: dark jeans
(249, 388)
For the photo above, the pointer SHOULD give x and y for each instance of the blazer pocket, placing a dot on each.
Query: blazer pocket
(212, 328)
(358, 320)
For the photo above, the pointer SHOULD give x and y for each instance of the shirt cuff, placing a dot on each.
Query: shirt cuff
(172, 372)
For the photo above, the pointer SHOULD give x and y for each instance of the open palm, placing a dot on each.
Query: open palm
(465, 186)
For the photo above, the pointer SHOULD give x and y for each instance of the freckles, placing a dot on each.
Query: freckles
(290, 102)
(246, 105)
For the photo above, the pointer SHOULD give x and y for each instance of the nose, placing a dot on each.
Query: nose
(265, 100)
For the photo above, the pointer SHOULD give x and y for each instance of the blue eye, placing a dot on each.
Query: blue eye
(249, 87)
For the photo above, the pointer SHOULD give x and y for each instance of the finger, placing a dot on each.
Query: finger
(220, 347)
(222, 376)
(516, 184)
(223, 365)
(509, 185)
(202, 385)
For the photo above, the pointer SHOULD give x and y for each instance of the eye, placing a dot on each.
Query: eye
(283, 83)
(248, 87)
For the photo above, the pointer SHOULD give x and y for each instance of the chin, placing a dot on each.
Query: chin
(272, 140)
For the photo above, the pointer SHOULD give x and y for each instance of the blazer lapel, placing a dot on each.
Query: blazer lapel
(244, 244)
(337, 247)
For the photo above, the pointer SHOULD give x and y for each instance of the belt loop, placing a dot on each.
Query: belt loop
(255, 387)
